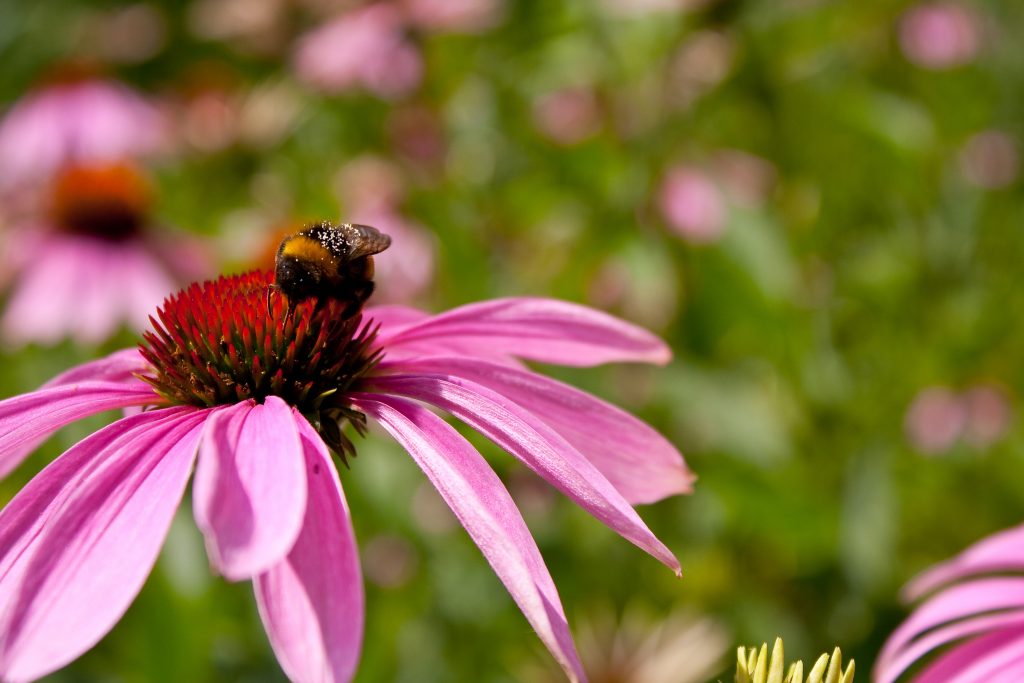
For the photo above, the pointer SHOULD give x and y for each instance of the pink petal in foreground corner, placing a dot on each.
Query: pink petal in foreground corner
(995, 657)
(635, 458)
(545, 330)
(1001, 552)
(27, 420)
(536, 445)
(77, 543)
(478, 498)
(312, 602)
(249, 492)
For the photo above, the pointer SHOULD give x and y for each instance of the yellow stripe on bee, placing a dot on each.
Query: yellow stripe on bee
(308, 249)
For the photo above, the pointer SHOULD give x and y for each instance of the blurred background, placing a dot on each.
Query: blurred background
(817, 203)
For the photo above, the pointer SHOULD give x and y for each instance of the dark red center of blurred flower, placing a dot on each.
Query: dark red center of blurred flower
(101, 201)
(217, 343)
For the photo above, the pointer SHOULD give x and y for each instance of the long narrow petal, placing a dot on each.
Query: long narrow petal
(481, 503)
(544, 330)
(392, 318)
(27, 420)
(312, 602)
(249, 494)
(999, 655)
(1001, 552)
(120, 366)
(635, 458)
(534, 443)
(77, 543)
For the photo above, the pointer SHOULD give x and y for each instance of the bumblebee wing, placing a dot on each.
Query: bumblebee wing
(364, 240)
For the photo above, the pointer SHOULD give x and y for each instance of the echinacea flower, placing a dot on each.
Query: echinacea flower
(76, 120)
(91, 262)
(754, 666)
(252, 395)
(975, 608)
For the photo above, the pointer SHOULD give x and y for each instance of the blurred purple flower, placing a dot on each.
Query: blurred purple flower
(362, 48)
(975, 607)
(939, 35)
(988, 415)
(935, 420)
(568, 116)
(454, 16)
(95, 264)
(692, 204)
(84, 121)
(220, 375)
(990, 160)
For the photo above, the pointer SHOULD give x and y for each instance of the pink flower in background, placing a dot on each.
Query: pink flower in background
(455, 16)
(939, 418)
(362, 48)
(693, 205)
(990, 160)
(568, 116)
(76, 122)
(251, 399)
(939, 35)
(935, 420)
(975, 607)
(95, 264)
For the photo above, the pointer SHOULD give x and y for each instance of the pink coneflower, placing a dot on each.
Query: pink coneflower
(976, 607)
(252, 399)
(93, 264)
(76, 121)
(693, 205)
(364, 48)
(940, 35)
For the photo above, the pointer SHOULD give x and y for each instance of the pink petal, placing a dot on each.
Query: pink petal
(889, 669)
(544, 330)
(536, 445)
(392, 317)
(77, 543)
(960, 601)
(1003, 551)
(312, 602)
(980, 660)
(480, 501)
(120, 366)
(27, 420)
(249, 494)
(636, 459)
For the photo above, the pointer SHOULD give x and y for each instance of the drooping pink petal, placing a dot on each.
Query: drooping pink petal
(312, 602)
(77, 543)
(544, 330)
(1003, 551)
(536, 445)
(28, 419)
(635, 458)
(999, 655)
(955, 603)
(120, 366)
(249, 494)
(889, 669)
(483, 506)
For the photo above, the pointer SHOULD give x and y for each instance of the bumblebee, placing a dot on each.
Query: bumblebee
(329, 262)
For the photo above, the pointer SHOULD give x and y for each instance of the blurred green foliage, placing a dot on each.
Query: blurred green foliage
(868, 266)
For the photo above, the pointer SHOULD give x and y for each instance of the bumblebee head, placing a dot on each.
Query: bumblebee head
(297, 279)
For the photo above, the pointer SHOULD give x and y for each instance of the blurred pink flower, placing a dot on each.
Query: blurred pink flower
(975, 608)
(362, 48)
(227, 397)
(76, 122)
(935, 420)
(692, 204)
(455, 16)
(939, 35)
(988, 415)
(990, 160)
(371, 183)
(94, 265)
(568, 116)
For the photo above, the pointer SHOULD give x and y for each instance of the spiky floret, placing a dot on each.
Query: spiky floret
(753, 666)
(234, 339)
